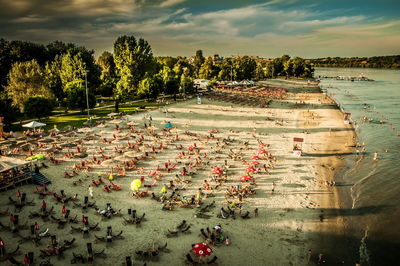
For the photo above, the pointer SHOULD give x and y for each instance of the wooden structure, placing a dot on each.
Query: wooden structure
(298, 146)
(14, 172)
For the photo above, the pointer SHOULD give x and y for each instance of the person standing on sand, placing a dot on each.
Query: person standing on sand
(273, 187)
(321, 258)
(90, 189)
(309, 256)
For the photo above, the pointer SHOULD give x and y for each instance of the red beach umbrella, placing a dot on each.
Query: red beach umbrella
(256, 157)
(216, 170)
(251, 169)
(255, 163)
(246, 178)
(202, 249)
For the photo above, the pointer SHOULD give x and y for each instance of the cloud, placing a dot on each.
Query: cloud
(265, 29)
(168, 3)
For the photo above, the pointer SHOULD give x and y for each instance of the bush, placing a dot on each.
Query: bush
(8, 111)
(76, 98)
(38, 106)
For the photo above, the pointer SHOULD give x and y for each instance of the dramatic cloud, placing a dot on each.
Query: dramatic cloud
(179, 27)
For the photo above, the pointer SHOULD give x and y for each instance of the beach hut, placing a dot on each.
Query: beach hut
(297, 146)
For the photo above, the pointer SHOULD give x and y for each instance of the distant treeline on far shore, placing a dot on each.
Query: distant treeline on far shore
(391, 62)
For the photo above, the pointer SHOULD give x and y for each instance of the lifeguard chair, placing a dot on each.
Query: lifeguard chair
(347, 118)
(297, 146)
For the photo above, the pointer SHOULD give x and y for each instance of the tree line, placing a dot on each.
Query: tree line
(34, 77)
(389, 62)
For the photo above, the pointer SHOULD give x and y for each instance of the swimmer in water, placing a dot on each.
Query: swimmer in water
(375, 156)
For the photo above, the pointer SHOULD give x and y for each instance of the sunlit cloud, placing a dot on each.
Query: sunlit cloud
(176, 27)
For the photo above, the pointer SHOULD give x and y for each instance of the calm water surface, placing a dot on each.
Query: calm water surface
(372, 186)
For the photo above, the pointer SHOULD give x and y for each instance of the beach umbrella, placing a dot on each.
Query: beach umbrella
(246, 178)
(255, 163)
(216, 170)
(251, 169)
(107, 162)
(136, 184)
(130, 154)
(255, 157)
(202, 249)
(34, 124)
(132, 124)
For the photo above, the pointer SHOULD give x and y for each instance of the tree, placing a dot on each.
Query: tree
(133, 59)
(7, 110)
(52, 77)
(198, 62)
(72, 69)
(259, 72)
(288, 68)
(108, 75)
(76, 97)
(171, 82)
(243, 68)
(150, 87)
(208, 70)
(226, 69)
(38, 106)
(25, 80)
(19, 51)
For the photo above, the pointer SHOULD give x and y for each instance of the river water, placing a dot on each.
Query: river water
(372, 192)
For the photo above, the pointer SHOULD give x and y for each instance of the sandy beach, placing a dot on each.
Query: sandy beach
(298, 215)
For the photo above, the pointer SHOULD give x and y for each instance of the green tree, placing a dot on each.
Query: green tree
(208, 70)
(288, 68)
(53, 79)
(108, 75)
(171, 82)
(26, 79)
(150, 87)
(133, 59)
(7, 110)
(259, 72)
(76, 97)
(38, 106)
(72, 69)
(198, 62)
(226, 69)
(243, 68)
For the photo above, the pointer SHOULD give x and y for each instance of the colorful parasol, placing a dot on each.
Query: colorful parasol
(202, 249)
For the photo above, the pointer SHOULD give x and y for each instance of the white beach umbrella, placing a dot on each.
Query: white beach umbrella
(34, 124)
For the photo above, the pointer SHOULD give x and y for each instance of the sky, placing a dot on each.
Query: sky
(306, 28)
